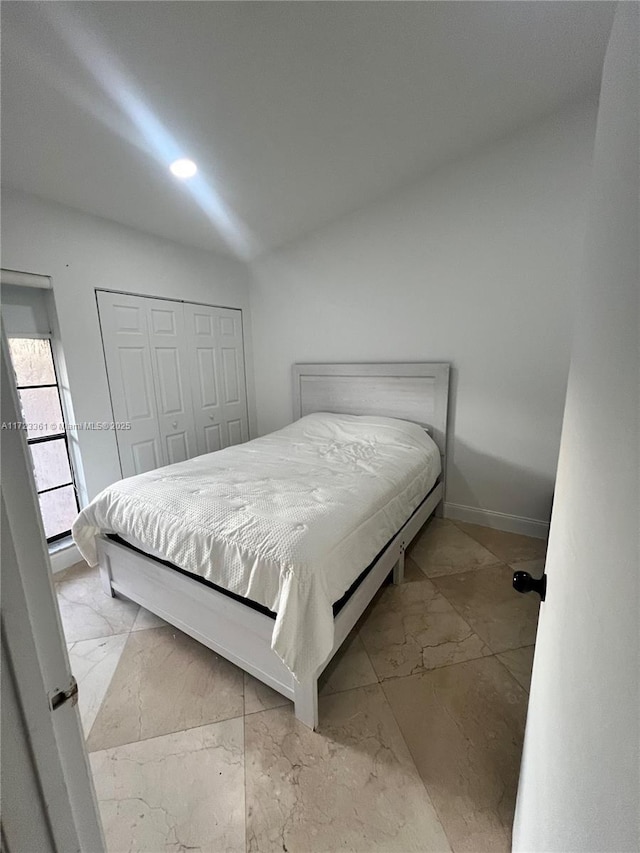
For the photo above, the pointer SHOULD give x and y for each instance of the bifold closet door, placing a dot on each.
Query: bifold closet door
(176, 374)
(123, 320)
(216, 365)
(171, 379)
(146, 355)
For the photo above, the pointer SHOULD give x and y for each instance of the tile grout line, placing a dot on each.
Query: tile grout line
(244, 765)
(413, 761)
(524, 646)
(108, 684)
(384, 680)
(465, 568)
(502, 562)
(458, 726)
(59, 593)
(480, 568)
(516, 649)
(245, 816)
(102, 701)
(93, 639)
(471, 628)
(477, 541)
(165, 734)
(366, 651)
(506, 668)
(487, 548)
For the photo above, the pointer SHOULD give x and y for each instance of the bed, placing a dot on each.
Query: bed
(269, 552)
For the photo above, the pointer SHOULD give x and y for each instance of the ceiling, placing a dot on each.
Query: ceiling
(296, 113)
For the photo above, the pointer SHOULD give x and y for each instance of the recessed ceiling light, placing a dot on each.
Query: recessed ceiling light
(183, 168)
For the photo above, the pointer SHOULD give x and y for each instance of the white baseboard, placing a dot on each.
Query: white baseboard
(497, 520)
(62, 557)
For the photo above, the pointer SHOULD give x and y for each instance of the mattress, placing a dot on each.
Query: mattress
(336, 607)
(288, 520)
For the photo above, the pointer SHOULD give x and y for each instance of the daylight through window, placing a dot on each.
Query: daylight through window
(39, 394)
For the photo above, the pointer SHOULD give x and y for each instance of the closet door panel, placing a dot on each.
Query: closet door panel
(206, 374)
(138, 389)
(145, 456)
(212, 438)
(207, 380)
(178, 447)
(230, 375)
(232, 380)
(170, 391)
(171, 378)
(123, 320)
(176, 373)
(235, 432)
(204, 355)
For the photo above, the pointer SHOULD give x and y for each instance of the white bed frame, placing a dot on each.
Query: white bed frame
(417, 392)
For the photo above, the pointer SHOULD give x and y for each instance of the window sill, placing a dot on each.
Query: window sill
(63, 554)
(60, 545)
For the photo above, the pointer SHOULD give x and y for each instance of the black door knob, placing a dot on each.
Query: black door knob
(523, 582)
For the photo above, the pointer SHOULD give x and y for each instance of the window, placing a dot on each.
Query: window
(39, 394)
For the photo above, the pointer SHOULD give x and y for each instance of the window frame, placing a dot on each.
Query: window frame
(53, 437)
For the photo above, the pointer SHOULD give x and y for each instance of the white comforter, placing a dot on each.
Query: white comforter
(288, 520)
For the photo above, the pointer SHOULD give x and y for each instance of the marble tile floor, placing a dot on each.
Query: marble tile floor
(421, 717)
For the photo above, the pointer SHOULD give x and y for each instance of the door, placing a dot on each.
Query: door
(216, 363)
(579, 782)
(47, 790)
(125, 338)
(232, 378)
(165, 324)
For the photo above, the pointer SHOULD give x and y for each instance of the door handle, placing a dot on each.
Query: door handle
(175, 424)
(523, 582)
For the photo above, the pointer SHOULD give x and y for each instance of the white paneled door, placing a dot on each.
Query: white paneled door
(123, 320)
(176, 374)
(171, 377)
(48, 799)
(216, 362)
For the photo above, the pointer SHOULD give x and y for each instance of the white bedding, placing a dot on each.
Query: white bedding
(288, 520)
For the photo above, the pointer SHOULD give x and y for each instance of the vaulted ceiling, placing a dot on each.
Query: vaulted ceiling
(295, 112)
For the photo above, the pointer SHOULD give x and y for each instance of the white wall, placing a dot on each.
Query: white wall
(473, 266)
(579, 784)
(82, 253)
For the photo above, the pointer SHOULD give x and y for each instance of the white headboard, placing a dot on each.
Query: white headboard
(417, 391)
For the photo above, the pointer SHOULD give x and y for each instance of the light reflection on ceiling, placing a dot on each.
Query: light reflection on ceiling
(152, 134)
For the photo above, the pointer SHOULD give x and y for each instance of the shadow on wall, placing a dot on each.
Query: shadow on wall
(493, 484)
